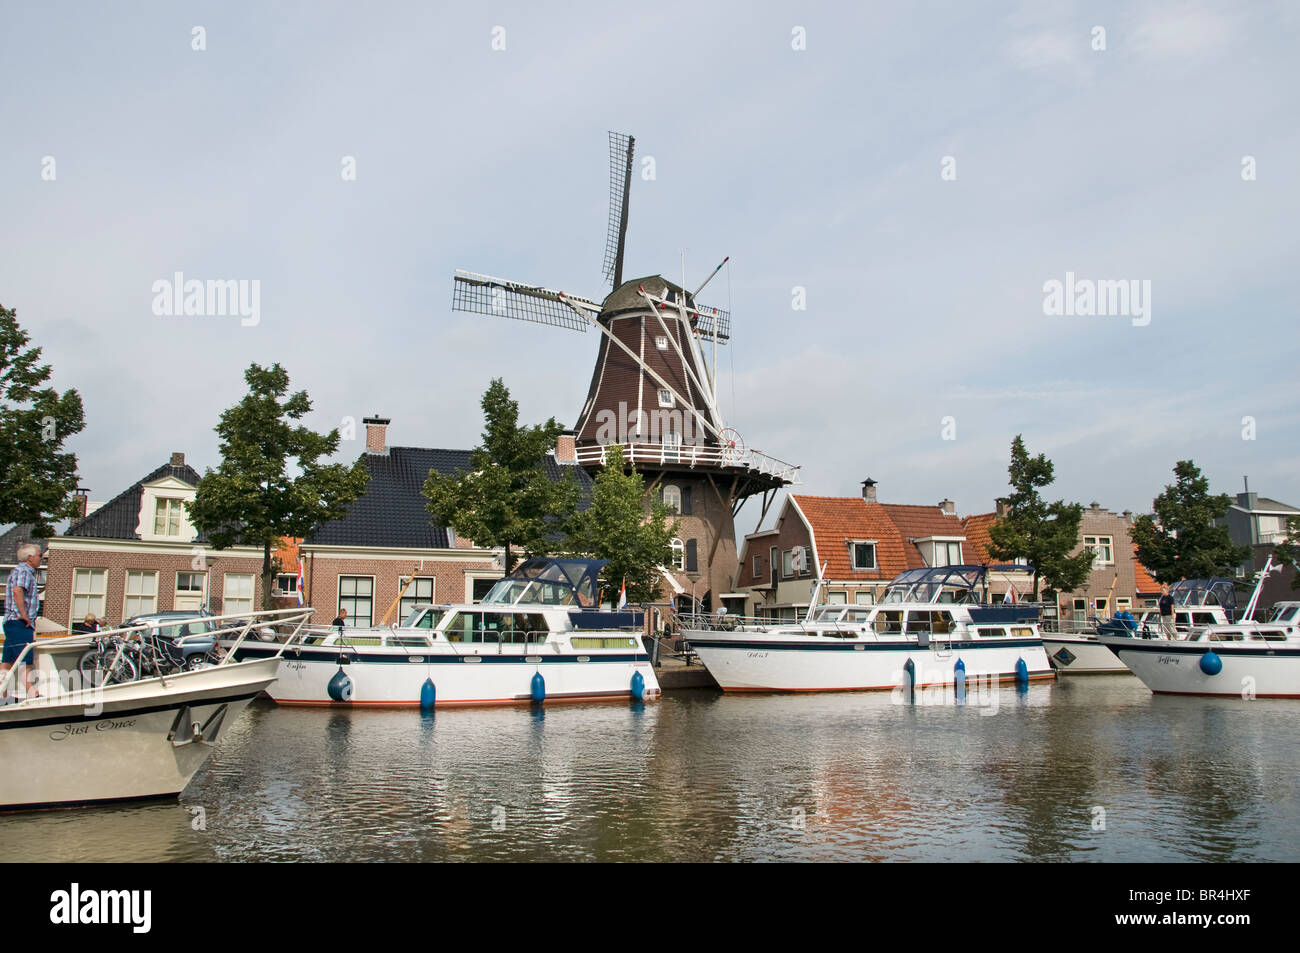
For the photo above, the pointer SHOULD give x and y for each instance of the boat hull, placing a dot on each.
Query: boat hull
(1250, 670)
(144, 739)
(742, 662)
(1082, 655)
(487, 678)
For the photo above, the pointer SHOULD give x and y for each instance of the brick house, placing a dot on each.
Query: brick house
(364, 561)
(139, 553)
(863, 544)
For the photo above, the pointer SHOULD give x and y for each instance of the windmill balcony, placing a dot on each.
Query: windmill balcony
(659, 454)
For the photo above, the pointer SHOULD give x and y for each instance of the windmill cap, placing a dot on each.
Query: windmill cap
(627, 296)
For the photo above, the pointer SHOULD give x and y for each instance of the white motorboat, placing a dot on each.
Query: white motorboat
(1197, 602)
(123, 736)
(535, 636)
(928, 630)
(1245, 659)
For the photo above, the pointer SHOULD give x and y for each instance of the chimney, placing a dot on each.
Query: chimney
(948, 507)
(869, 490)
(178, 459)
(80, 500)
(1128, 517)
(1003, 508)
(1247, 500)
(566, 448)
(376, 434)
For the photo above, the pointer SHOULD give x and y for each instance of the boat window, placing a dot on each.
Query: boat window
(858, 616)
(1225, 636)
(889, 621)
(1022, 632)
(1181, 618)
(1203, 618)
(1271, 635)
(408, 641)
(937, 622)
(990, 632)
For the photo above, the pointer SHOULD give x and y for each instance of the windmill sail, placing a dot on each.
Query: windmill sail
(483, 294)
(621, 148)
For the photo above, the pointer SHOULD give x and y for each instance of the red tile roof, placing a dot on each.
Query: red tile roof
(837, 519)
(1146, 583)
(976, 549)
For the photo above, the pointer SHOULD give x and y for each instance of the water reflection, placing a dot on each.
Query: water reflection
(701, 776)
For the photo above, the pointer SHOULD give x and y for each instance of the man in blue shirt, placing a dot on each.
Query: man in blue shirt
(21, 604)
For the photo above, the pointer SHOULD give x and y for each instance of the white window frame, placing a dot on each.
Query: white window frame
(1103, 552)
(672, 498)
(666, 398)
(853, 554)
(787, 564)
(145, 602)
(757, 557)
(864, 597)
(238, 600)
(352, 613)
(401, 584)
(679, 555)
(88, 595)
(661, 342)
(169, 509)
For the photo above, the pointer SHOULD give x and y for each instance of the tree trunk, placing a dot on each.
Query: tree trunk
(1035, 585)
(266, 576)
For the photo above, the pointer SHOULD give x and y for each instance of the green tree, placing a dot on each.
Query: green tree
(506, 499)
(1289, 552)
(37, 477)
(1042, 533)
(252, 498)
(618, 528)
(1179, 540)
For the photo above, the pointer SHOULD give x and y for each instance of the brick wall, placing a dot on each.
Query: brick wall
(323, 572)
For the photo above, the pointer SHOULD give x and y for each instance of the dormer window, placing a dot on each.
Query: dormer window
(863, 554)
(167, 517)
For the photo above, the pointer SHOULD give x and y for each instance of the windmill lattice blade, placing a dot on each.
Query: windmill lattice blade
(621, 147)
(483, 294)
(708, 317)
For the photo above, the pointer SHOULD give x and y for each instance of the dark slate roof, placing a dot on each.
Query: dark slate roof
(118, 518)
(392, 511)
(15, 537)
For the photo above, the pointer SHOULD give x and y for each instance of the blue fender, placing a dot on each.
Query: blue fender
(538, 687)
(959, 679)
(909, 677)
(1211, 664)
(638, 686)
(428, 694)
(340, 687)
(1022, 672)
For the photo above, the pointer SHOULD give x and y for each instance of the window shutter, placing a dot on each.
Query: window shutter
(686, 501)
(692, 564)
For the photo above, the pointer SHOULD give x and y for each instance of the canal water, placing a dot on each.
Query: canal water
(1093, 769)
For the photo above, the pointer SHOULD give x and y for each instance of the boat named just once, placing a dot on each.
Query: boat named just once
(535, 636)
(87, 734)
(929, 629)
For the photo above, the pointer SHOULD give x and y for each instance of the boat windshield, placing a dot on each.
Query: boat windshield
(549, 582)
(941, 584)
(1205, 592)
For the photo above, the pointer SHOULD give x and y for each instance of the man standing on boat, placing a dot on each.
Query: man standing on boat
(340, 620)
(1167, 613)
(21, 604)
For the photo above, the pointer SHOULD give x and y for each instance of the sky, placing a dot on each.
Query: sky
(914, 174)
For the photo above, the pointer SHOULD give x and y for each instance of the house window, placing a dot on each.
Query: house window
(1122, 603)
(947, 553)
(356, 594)
(1080, 605)
(286, 584)
(673, 498)
(1102, 548)
(420, 590)
(88, 589)
(167, 517)
(787, 564)
(190, 583)
(661, 341)
(237, 594)
(863, 598)
(1101, 605)
(837, 598)
(864, 555)
(679, 555)
(758, 564)
(141, 594)
(665, 398)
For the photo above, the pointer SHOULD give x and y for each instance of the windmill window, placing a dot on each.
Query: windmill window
(661, 342)
(679, 555)
(665, 398)
(673, 498)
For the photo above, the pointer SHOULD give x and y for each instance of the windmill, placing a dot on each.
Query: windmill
(652, 390)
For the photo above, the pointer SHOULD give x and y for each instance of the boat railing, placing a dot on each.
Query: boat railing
(233, 625)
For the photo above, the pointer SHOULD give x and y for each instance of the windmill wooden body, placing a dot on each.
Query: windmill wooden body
(653, 392)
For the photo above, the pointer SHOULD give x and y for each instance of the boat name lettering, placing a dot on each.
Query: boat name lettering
(756, 655)
(296, 666)
(64, 731)
(1167, 659)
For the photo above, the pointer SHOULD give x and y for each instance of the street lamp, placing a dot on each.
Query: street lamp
(694, 577)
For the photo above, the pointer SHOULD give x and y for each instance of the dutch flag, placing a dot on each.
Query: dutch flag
(622, 596)
(299, 585)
